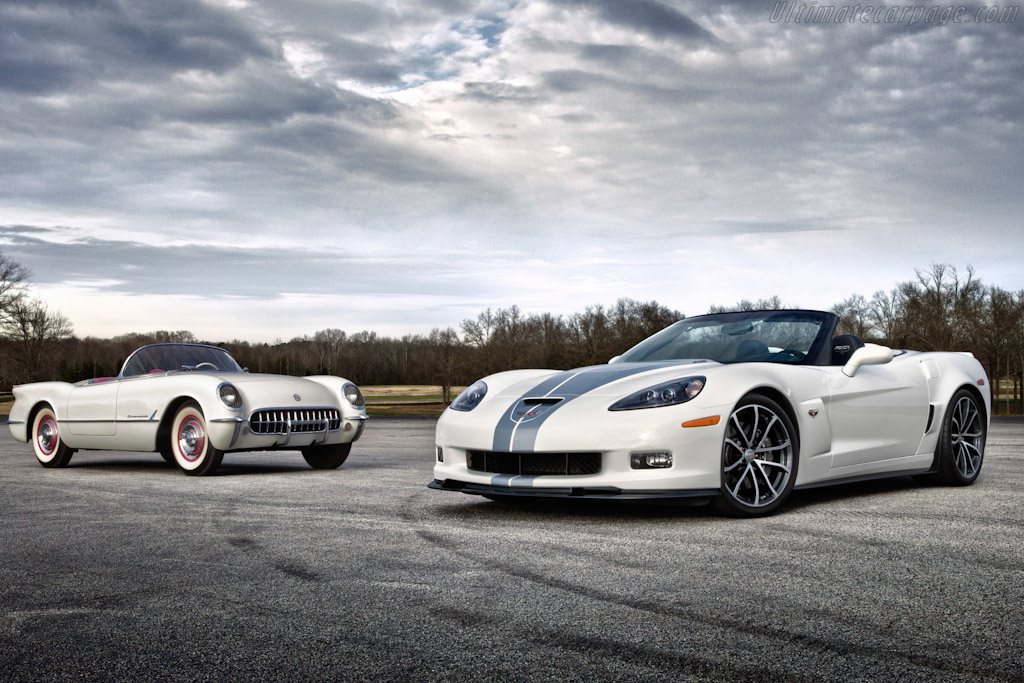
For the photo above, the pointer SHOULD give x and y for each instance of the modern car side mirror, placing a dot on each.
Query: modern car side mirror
(614, 358)
(869, 354)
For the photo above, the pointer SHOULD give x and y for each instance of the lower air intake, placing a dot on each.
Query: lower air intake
(534, 464)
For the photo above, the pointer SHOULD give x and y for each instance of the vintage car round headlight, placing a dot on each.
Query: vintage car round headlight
(229, 396)
(471, 397)
(353, 395)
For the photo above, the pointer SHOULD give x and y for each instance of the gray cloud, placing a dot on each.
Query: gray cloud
(653, 18)
(490, 153)
(75, 45)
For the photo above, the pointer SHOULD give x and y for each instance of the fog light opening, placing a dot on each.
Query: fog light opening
(440, 454)
(650, 461)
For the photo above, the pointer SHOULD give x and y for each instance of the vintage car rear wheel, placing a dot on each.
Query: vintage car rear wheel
(326, 457)
(49, 448)
(759, 458)
(190, 444)
(962, 443)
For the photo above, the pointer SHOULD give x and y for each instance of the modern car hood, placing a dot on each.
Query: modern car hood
(605, 380)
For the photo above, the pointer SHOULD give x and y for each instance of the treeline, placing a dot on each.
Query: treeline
(940, 309)
(493, 341)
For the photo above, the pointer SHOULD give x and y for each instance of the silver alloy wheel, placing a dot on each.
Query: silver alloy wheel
(758, 456)
(966, 434)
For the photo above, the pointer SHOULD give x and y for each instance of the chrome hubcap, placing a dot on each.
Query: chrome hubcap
(966, 437)
(757, 457)
(47, 436)
(191, 439)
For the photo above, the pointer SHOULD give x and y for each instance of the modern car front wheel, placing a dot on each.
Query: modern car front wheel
(190, 444)
(962, 442)
(50, 449)
(326, 457)
(759, 458)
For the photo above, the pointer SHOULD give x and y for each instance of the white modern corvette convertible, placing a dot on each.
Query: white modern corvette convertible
(192, 403)
(735, 408)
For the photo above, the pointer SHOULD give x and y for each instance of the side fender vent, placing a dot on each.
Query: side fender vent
(931, 418)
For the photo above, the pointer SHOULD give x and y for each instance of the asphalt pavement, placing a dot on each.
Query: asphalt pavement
(120, 568)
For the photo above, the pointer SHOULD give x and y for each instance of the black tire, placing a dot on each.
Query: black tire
(961, 447)
(190, 444)
(760, 456)
(326, 457)
(50, 449)
(166, 453)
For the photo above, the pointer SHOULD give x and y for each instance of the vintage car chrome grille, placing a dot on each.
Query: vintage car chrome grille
(534, 464)
(294, 421)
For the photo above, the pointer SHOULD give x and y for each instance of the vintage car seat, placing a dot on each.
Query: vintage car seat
(843, 346)
(751, 349)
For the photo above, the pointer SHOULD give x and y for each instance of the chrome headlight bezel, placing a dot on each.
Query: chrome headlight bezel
(470, 397)
(669, 393)
(230, 396)
(353, 395)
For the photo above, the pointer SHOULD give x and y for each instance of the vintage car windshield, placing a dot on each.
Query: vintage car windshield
(165, 357)
(762, 336)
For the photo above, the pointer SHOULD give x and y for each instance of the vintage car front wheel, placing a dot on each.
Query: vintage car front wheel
(190, 444)
(326, 457)
(50, 449)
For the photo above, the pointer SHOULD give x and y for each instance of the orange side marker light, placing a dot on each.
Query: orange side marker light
(703, 422)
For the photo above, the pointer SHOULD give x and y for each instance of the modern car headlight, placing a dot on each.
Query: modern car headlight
(353, 395)
(664, 394)
(471, 397)
(229, 396)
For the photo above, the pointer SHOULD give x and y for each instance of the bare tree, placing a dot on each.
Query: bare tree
(589, 337)
(444, 346)
(34, 331)
(886, 317)
(328, 344)
(13, 281)
(942, 308)
(772, 303)
(854, 316)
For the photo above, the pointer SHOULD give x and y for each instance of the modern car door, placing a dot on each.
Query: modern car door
(878, 414)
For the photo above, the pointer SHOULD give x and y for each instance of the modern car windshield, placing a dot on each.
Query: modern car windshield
(164, 357)
(763, 336)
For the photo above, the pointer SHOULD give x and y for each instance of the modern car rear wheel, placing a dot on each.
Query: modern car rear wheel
(49, 448)
(962, 442)
(759, 458)
(189, 443)
(326, 457)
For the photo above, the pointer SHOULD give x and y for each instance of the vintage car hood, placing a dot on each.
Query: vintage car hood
(262, 391)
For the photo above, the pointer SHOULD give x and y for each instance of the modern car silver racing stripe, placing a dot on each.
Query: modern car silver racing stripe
(517, 428)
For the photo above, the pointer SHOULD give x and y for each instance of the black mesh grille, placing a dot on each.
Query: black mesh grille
(534, 464)
(294, 421)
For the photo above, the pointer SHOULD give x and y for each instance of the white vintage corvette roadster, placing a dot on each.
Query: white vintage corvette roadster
(734, 408)
(192, 403)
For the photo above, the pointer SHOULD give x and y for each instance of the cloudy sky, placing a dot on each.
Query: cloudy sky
(259, 170)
